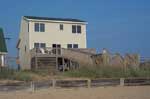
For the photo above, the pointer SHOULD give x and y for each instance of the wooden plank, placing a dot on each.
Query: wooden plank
(105, 82)
(71, 83)
(137, 81)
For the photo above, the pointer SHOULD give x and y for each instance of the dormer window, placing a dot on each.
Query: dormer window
(39, 27)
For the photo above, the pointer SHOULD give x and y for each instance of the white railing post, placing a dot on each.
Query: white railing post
(53, 83)
(32, 86)
(121, 81)
(89, 83)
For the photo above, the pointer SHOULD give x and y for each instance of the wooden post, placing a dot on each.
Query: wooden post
(36, 63)
(70, 65)
(121, 81)
(89, 83)
(32, 87)
(53, 83)
(56, 63)
(63, 64)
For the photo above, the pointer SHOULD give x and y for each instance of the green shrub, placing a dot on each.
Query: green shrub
(42, 72)
(22, 76)
(83, 72)
(6, 73)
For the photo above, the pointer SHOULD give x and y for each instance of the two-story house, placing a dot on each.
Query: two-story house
(44, 32)
(3, 48)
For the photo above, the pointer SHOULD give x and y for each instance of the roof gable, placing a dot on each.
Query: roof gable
(54, 19)
(2, 42)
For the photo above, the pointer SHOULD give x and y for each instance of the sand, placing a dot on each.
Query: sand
(136, 92)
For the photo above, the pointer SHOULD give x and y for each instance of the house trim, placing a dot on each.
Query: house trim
(54, 21)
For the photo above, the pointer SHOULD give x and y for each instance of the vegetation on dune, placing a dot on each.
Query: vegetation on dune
(108, 72)
(6, 73)
(22, 76)
(25, 75)
(10, 74)
(83, 72)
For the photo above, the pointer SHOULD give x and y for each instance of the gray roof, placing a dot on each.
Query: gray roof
(55, 19)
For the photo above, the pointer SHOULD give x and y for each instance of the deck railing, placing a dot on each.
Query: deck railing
(46, 51)
(61, 51)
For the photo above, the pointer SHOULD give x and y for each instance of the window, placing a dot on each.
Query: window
(36, 45)
(28, 26)
(43, 45)
(69, 45)
(73, 28)
(61, 27)
(25, 48)
(39, 45)
(36, 27)
(42, 27)
(76, 29)
(54, 45)
(72, 45)
(39, 27)
(75, 45)
(56, 49)
(58, 46)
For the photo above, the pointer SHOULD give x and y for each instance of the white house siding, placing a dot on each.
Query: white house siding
(24, 56)
(53, 35)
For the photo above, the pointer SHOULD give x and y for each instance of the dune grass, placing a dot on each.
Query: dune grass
(22, 75)
(83, 72)
(11, 74)
(107, 72)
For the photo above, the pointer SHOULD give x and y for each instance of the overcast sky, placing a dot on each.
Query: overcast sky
(118, 25)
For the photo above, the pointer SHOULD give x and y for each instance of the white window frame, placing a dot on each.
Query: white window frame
(39, 27)
(76, 29)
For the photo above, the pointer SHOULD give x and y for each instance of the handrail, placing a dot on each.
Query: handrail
(56, 51)
(47, 50)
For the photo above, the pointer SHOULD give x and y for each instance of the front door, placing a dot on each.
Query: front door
(56, 49)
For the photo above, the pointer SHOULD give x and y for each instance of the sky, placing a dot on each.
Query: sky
(121, 26)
